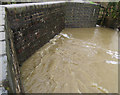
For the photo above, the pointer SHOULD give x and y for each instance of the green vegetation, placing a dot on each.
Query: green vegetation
(110, 14)
(91, 2)
(112, 9)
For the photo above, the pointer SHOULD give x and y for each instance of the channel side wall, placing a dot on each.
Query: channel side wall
(81, 15)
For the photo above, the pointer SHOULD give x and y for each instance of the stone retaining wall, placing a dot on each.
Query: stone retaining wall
(27, 27)
(33, 26)
(81, 15)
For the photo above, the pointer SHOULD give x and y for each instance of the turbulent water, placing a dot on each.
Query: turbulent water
(78, 60)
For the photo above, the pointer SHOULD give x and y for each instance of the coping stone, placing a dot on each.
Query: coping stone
(2, 36)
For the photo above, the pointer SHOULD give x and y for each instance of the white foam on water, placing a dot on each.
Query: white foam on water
(111, 62)
(100, 88)
(114, 54)
(65, 35)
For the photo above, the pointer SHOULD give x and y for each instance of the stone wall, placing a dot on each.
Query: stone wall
(81, 15)
(42, 22)
(3, 55)
(30, 0)
(33, 26)
(27, 27)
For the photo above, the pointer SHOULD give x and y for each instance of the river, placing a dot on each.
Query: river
(78, 60)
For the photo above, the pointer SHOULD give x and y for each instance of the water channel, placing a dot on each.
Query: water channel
(78, 60)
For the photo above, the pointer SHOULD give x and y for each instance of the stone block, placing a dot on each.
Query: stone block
(2, 36)
(0, 8)
(3, 12)
(3, 91)
(4, 67)
(3, 72)
(2, 23)
(2, 47)
(1, 28)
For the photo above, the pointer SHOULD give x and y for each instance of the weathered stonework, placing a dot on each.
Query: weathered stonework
(81, 15)
(24, 28)
(3, 56)
(38, 28)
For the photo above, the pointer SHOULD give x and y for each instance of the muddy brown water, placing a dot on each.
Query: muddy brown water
(78, 60)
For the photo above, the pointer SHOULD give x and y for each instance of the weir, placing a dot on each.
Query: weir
(27, 27)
